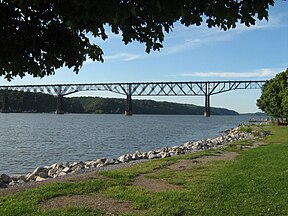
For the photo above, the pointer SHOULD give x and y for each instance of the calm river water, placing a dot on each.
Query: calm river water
(31, 140)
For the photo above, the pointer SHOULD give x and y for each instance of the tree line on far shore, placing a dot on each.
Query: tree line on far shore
(44, 103)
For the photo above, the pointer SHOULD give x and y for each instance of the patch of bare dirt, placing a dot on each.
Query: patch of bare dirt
(255, 144)
(69, 178)
(96, 201)
(156, 185)
(188, 164)
(160, 185)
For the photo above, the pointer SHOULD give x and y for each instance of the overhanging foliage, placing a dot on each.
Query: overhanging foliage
(37, 37)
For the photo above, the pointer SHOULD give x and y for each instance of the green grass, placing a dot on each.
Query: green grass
(246, 129)
(255, 183)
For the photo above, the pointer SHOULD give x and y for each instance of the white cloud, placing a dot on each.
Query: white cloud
(122, 57)
(117, 57)
(262, 73)
(189, 38)
(201, 39)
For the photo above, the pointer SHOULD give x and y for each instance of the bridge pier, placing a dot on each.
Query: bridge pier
(128, 108)
(60, 109)
(5, 102)
(207, 106)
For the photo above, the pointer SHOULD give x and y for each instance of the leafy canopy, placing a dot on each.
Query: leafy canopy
(274, 98)
(37, 37)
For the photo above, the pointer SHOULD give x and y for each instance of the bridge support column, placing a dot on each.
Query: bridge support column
(128, 108)
(207, 105)
(5, 103)
(60, 109)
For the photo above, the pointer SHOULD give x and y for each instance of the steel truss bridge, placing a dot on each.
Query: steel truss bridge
(205, 89)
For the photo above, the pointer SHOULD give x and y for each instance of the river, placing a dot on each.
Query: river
(31, 140)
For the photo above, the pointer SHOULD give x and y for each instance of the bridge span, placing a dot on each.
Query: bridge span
(205, 89)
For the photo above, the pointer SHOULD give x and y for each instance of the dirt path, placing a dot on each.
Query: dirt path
(188, 164)
(97, 201)
(155, 185)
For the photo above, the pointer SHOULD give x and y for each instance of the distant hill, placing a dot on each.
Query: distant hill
(117, 106)
(38, 102)
(256, 114)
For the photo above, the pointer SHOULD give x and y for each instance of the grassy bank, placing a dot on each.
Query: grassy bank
(214, 182)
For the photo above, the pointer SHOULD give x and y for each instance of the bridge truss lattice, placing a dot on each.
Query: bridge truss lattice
(189, 88)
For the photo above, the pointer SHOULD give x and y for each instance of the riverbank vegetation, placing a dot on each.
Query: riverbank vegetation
(38, 103)
(236, 180)
(274, 98)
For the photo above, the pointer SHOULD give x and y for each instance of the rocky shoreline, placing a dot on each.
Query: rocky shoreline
(63, 169)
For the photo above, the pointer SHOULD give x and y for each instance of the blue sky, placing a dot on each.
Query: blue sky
(191, 54)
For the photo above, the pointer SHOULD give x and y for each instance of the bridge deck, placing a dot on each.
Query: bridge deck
(189, 88)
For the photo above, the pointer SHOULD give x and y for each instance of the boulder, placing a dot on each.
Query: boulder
(3, 185)
(174, 148)
(53, 166)
(121, 158)
(52, 172)
(125, 158)
(153, 156)
(58, 165)
(74, 164)
(197, 144)
(135, 156)
(150, 152)
(77, 165)
(165, 149)
(62, 174)
(66, 169)
(102, 160)
(188, 144)
(30, 177)
(100, 165)
(75, 168)
(20, 181)
(13, 183)
(17, 178)
(110, 161)
(5, 178)
(39, 179)
(43, 175)
(172, 153)
(164, 155)
(144, 155)
(41, 171)
(91, 164)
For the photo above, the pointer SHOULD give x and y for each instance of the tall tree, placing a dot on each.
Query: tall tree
(274, 98)
(39, 36)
